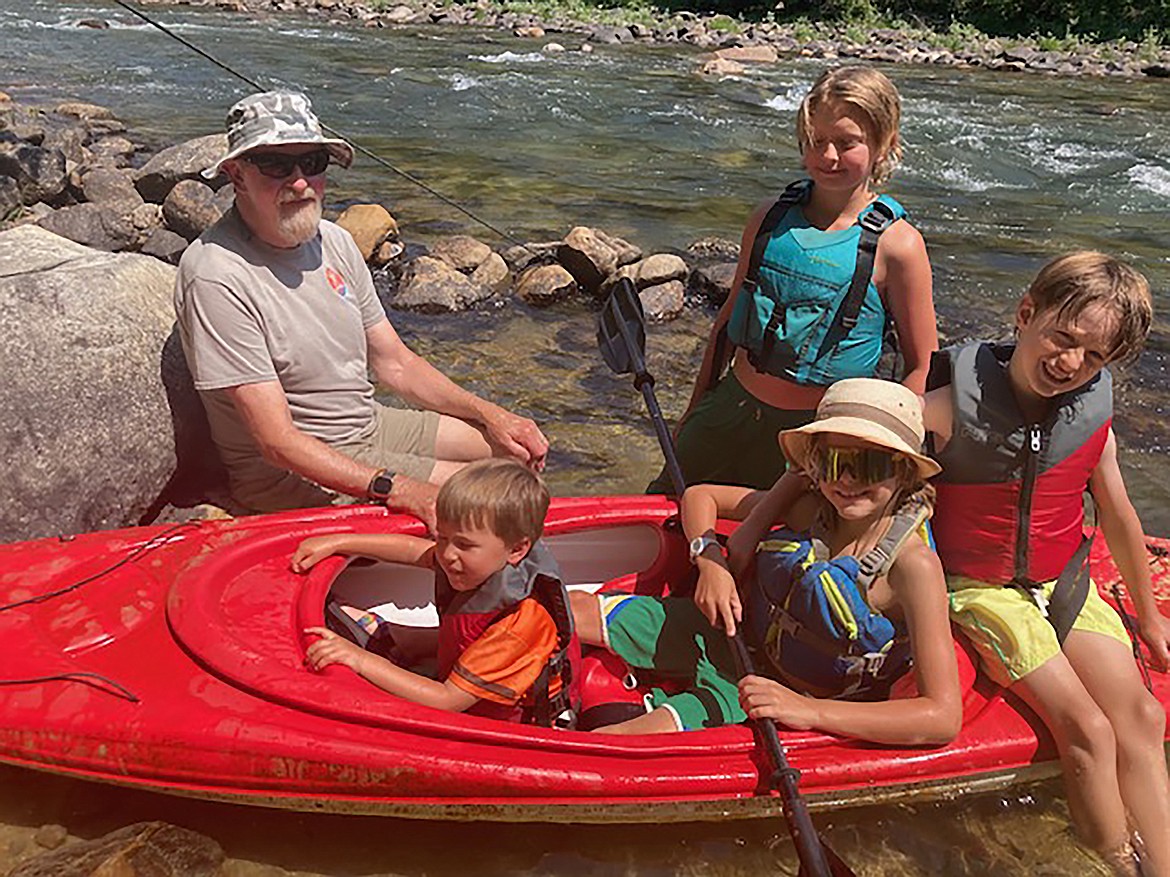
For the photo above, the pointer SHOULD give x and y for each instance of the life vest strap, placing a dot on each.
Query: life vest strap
(876, 562)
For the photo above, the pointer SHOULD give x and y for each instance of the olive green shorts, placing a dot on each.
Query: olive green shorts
(731, 437)
(1010, 632)
(672, 638)
(399, 439)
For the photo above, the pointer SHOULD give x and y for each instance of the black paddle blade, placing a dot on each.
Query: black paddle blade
(622, 310)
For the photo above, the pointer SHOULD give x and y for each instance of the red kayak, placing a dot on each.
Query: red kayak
(170, 658)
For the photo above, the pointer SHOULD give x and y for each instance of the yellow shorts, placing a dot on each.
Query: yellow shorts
(1010, 632)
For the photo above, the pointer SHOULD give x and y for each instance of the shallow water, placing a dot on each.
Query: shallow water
(1001, 172)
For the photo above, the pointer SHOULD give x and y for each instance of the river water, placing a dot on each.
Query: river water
(1001, 172)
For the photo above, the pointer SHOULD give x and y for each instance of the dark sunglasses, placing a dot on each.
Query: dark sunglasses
(279, 165)
(866, 465)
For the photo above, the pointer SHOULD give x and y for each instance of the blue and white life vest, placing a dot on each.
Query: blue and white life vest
(809, 614)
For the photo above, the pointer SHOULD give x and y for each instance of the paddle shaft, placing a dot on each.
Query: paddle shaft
(785, 779)
(644, 381)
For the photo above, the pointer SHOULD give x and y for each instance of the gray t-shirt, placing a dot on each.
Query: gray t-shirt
(249, 312)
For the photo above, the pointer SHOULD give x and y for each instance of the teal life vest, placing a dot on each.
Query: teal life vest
(808, 310)
(809, 614)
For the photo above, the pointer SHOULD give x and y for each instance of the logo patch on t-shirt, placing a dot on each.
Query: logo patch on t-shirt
(337, 282)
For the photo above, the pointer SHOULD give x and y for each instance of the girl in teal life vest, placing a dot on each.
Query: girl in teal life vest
(823, 273)
(844, 597)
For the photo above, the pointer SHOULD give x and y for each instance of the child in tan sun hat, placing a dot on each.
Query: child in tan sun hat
(838, 601)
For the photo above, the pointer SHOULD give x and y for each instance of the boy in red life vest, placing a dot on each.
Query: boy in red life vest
(1022, 431)
(505, 635)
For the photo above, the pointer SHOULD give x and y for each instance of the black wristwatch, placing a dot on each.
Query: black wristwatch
(380, 486)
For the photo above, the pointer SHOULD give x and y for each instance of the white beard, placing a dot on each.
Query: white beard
(299, 224)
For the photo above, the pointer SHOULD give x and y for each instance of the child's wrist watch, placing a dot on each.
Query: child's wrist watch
(701, 543)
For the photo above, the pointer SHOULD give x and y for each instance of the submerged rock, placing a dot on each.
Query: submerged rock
(145, 849)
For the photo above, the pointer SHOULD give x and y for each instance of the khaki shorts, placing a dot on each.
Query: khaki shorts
(399, 439)
(1010, 632)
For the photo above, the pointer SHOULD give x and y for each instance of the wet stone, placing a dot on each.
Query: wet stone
(51, 836)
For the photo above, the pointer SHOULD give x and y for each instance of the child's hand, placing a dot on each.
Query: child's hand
(717, 597)
(312, 551)
(332, 649)
(741, 550)
(767, 699)
(1155, 632)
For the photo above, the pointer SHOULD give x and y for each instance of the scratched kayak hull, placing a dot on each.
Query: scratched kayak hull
(173, 661)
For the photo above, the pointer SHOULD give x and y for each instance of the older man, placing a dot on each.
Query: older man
(281, 327)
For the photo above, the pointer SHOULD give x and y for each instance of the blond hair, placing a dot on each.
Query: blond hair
(872, 96)
(1077, 281)
(501, 495)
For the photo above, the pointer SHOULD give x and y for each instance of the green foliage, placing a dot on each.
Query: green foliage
(1076, 19)
(724, 24)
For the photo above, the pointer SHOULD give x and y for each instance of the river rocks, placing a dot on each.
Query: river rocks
(145, 849)
(100, 406)
(39, 173)
(164, 244)
(545, 284)
(9, 197)
(189, 208)
(749, 54)
(111, 187)
(591, 256)
(83, 111)
(182, 162)
(50, 837)
(432, 286)
(492, 274)
(462, 252)
(722, 67)
(712, 282)
(664, 301)
(374, 231)
(93, 225)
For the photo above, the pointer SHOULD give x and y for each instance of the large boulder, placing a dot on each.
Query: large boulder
(98, 397)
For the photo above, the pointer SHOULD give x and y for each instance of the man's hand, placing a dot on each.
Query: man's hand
(716, 595)
(763, 698)
(332, 649)
(415, 498)
(517, 437)
(312, 551)
(1155, 633)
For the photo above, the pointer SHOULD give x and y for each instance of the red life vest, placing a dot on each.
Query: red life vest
(1010, 496)
(464, 616)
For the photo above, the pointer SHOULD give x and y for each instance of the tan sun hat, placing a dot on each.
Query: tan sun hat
(879, 412)
(275, 118)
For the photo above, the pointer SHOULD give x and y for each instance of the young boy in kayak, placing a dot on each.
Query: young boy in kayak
(506, 640)
(824, 272)
(855, 559)
(1022, 431)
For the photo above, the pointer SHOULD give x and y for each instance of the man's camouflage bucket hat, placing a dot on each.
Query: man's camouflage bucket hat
(275, 118)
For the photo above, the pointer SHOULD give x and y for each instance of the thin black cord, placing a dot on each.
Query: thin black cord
(83, 677)
(366, 152)
(146, 546)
